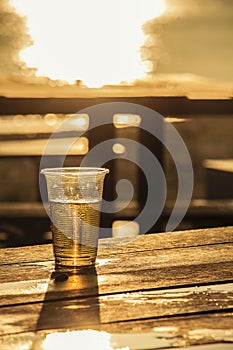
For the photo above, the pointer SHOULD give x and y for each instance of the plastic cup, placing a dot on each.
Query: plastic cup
(74, 196)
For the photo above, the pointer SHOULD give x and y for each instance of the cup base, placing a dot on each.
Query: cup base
(74, 262)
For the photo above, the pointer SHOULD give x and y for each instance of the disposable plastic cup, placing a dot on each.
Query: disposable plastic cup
(75, 196)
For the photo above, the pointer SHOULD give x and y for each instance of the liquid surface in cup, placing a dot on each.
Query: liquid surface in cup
(75, 229)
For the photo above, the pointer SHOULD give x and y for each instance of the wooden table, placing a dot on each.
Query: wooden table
(160, 291)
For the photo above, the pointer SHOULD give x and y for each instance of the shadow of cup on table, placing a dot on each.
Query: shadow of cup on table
(71, 300)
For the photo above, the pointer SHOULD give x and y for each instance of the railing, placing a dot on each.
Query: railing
(21, 146)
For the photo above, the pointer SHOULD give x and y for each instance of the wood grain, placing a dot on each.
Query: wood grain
(111, 246)
(180, 331)
(86, 312)
(139, 271)
(172, 288)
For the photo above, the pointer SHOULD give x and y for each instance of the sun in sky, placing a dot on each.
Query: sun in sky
(97, 42)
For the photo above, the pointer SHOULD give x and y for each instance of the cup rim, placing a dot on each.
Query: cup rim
(87, 171)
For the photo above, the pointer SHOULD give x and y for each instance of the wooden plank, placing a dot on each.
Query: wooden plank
(89, 312)
(35, 290)
(152, 259)
(110, 247)
(28, 282)
(169, 327)
(26, 254)
(179, 331)
(103, 340)
(135, 261)
(167, 240)
(173, 332)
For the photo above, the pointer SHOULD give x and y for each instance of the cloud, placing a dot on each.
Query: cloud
(193, 37)
(13, 38)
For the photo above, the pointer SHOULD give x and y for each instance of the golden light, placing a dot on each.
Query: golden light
(126, 120)
(80, 121)
(79, 147)
(50, 119)
(36, 147)
(118, 148)
(86, 339)
(28, 124)
(97, 42)
(125, 228)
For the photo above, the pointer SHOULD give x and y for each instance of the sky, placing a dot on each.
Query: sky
(192, 36)
(199, 41)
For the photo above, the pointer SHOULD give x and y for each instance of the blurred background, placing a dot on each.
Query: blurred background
(56, 58)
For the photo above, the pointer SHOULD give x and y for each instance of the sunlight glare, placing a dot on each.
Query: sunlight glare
(78, 339)
(85, 339)
(96, 42)
(126, 120)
